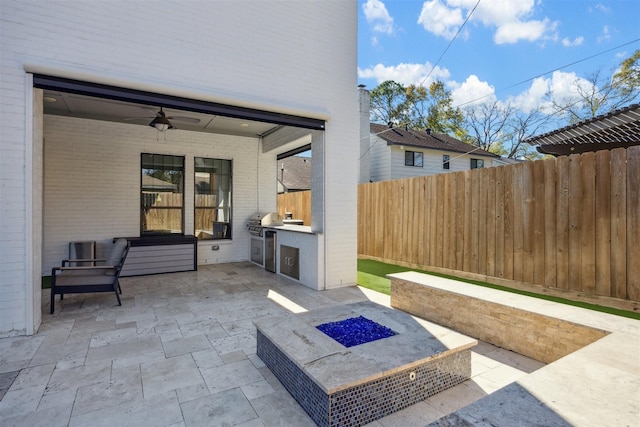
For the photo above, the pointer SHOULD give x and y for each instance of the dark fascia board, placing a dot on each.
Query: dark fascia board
(293, 152)
(568, 149)
(159, 100)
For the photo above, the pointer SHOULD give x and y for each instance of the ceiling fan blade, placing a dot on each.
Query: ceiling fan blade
(184, 119)
(137, 118)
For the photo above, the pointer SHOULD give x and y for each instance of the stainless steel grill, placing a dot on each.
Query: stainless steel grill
(258, 221)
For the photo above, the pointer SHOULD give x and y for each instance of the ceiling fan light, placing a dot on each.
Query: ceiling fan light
(161, 126)
(161, 123)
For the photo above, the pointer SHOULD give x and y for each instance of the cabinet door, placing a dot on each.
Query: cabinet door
(290, 261)
(257, 255)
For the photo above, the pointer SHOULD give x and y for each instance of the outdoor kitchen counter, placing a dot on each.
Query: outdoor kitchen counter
(299, 253)
(294, 228)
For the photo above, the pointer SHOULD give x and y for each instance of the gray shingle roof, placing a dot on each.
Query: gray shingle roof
(297, 173)
(422, 139)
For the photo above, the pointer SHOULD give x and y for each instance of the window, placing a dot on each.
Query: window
(445, 161)
(212, 192)
(162, 195)
(477, 163)
(413, 158)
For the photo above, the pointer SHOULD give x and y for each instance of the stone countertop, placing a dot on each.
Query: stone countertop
(294, 228)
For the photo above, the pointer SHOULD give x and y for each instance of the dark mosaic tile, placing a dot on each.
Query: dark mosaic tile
(369, 401)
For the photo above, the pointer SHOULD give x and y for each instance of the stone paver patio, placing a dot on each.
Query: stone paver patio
(181, 351)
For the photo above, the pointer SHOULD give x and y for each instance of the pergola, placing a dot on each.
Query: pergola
(620, 128)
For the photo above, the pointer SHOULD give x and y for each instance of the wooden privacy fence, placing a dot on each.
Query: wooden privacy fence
(298, 203)
(569, 223)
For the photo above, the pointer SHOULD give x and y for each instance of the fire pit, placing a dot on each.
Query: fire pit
(355, 331)
(407, 361)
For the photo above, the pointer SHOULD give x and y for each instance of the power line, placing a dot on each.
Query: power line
(549, 72)
(450, 43)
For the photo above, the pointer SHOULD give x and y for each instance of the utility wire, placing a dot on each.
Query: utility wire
(549, 72)
(450, 43)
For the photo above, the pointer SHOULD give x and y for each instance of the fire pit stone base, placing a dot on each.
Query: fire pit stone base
(340, 386)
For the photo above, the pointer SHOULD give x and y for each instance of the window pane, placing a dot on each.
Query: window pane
(162, 220)
(212, 198)
(408, 158)
(445, 161)
(162, 195)
(417, 160)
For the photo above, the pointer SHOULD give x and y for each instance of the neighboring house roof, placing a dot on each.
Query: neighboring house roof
(426, 140)
(295, 173)
(620, 128)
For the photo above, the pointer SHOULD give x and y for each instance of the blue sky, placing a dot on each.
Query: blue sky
(503, 43)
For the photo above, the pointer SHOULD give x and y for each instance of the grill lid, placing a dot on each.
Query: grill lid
(265, 219)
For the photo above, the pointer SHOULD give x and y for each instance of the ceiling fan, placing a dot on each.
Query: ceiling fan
(161, 121)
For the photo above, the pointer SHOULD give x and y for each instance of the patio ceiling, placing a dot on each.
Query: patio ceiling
(620, 128)
(71, 98)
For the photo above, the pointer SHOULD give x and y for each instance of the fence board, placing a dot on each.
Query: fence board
(618, 223)
(490, 245)
(501, 207)
(633, 223)
(528, 216)
(420, 212)
(460, 220)
(518, 196)
(588, 245)
(538, 211)
(440, 221)
(562, 222)
(550, 198)
(575, 216)
(403, 221)
(471, 212)
(483, 189)
(429, 220)
(603, 222)
(507, 184)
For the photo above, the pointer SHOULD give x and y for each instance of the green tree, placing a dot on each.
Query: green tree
(601, 93)
(627, 78)
(417, 107)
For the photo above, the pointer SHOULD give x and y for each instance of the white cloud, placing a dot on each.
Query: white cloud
(376, 13)
(567, 42)
(511, 19)
(513, 32)
(561, 86)
(605, 36)
(602, 8)
(471, 91)
(440, 20)
(405, 74)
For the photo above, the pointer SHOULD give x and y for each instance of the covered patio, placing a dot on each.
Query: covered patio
(181, 351)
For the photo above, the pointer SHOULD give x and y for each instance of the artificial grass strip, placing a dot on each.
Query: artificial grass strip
(372, 275)
(374, 282)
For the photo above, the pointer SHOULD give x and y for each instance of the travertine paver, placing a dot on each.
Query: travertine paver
(181, 351)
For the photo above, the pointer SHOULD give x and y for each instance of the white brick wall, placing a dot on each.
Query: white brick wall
(276, 56)
(92, 183)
